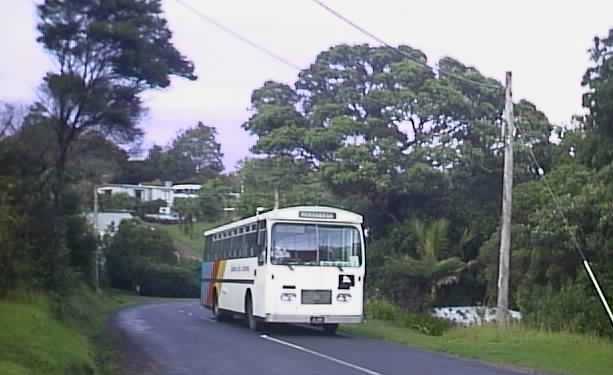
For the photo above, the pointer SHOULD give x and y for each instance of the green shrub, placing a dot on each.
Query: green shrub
(573, 308)
(426, 324)
(382, 310)
(143, 256)
(162, 280)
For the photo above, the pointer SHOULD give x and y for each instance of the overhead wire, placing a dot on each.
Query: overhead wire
(371, 35)
(237, 35)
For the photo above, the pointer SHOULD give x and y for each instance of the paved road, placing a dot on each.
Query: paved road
(180, 338)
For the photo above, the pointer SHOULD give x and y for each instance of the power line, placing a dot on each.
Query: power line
(364, 31)
(237, 35)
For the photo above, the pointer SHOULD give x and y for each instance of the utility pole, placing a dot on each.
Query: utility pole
(276, 198)
(502, 311)
(97, 252)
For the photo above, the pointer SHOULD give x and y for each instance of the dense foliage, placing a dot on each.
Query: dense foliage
(142, 258)
(107, 54)
(193, 156)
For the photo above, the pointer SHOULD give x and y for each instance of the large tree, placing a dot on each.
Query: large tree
(107, 53)
(594, 146)
(199, 146)
(598, 79)
(392, 130)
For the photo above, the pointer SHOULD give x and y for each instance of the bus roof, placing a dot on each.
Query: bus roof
(297, 213)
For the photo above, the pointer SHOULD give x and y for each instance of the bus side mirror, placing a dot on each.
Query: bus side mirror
(262, 258)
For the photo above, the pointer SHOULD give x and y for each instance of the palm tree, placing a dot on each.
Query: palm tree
(427, 267)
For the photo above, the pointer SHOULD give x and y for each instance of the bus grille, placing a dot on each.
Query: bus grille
(316, 297)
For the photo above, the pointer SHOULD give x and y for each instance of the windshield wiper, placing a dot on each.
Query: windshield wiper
(289, 266)
(340, 268)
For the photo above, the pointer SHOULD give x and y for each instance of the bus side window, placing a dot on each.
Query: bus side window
(209, 249)
(244, 246)
(215, 250)
(218, 247)
(251, 244)
(261, 242)
(225, 252)
(205, 248)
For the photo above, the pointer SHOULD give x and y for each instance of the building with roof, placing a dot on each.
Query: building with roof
(145, 193)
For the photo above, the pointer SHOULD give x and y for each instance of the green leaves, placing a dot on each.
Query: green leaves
(108, 52)
(199, 145)
(599, 80)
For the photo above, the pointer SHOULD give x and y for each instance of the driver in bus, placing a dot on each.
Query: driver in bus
(281, 253)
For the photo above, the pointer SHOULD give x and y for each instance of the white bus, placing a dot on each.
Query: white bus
(292, 265)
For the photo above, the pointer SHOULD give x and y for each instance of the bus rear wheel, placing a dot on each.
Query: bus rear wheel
(331, 328)
(217, 313)
(252, 321)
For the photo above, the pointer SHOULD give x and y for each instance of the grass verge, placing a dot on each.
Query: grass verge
(39, 336)
(549, 352)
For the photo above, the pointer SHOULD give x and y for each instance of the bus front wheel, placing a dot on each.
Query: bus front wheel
(331, 329)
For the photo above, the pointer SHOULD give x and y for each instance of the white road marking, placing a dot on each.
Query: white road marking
(317, 354)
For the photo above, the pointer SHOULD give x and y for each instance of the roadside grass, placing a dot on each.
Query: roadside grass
(189, 245)
(38, 336)
(518, 347)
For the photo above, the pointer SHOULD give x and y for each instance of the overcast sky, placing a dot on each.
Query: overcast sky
(543, 42)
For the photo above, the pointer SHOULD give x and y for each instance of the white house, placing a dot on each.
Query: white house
(107, 222)
(185, 190)
(145, 193)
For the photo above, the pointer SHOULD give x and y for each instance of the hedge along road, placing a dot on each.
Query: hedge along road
(181, 338)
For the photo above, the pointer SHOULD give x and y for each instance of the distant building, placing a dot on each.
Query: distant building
(146, 193)
(108, 222)
(186, 190)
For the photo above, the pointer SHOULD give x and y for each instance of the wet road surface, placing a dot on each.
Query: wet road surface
(181, 338)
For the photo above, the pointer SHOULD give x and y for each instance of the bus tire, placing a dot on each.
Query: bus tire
(331, 328)
(217, 313)
(252, 321)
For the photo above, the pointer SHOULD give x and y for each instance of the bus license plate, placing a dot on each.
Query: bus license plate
(317, 320)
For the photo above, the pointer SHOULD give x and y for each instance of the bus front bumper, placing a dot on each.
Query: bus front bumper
(312, 319)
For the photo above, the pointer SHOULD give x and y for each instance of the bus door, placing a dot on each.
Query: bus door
(259, 288)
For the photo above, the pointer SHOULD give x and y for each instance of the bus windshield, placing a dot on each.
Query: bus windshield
(316, 245)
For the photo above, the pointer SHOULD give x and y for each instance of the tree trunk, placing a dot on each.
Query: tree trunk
(57, 258)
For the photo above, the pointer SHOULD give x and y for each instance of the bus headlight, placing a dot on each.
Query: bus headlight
(288, 297)
(343, 297)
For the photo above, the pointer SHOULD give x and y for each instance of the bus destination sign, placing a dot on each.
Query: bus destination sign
(317, 215)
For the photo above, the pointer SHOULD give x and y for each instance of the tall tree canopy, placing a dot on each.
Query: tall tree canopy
(199, 146)
(194, 155)
(599, 81)
(108, 52)
(389, 129)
